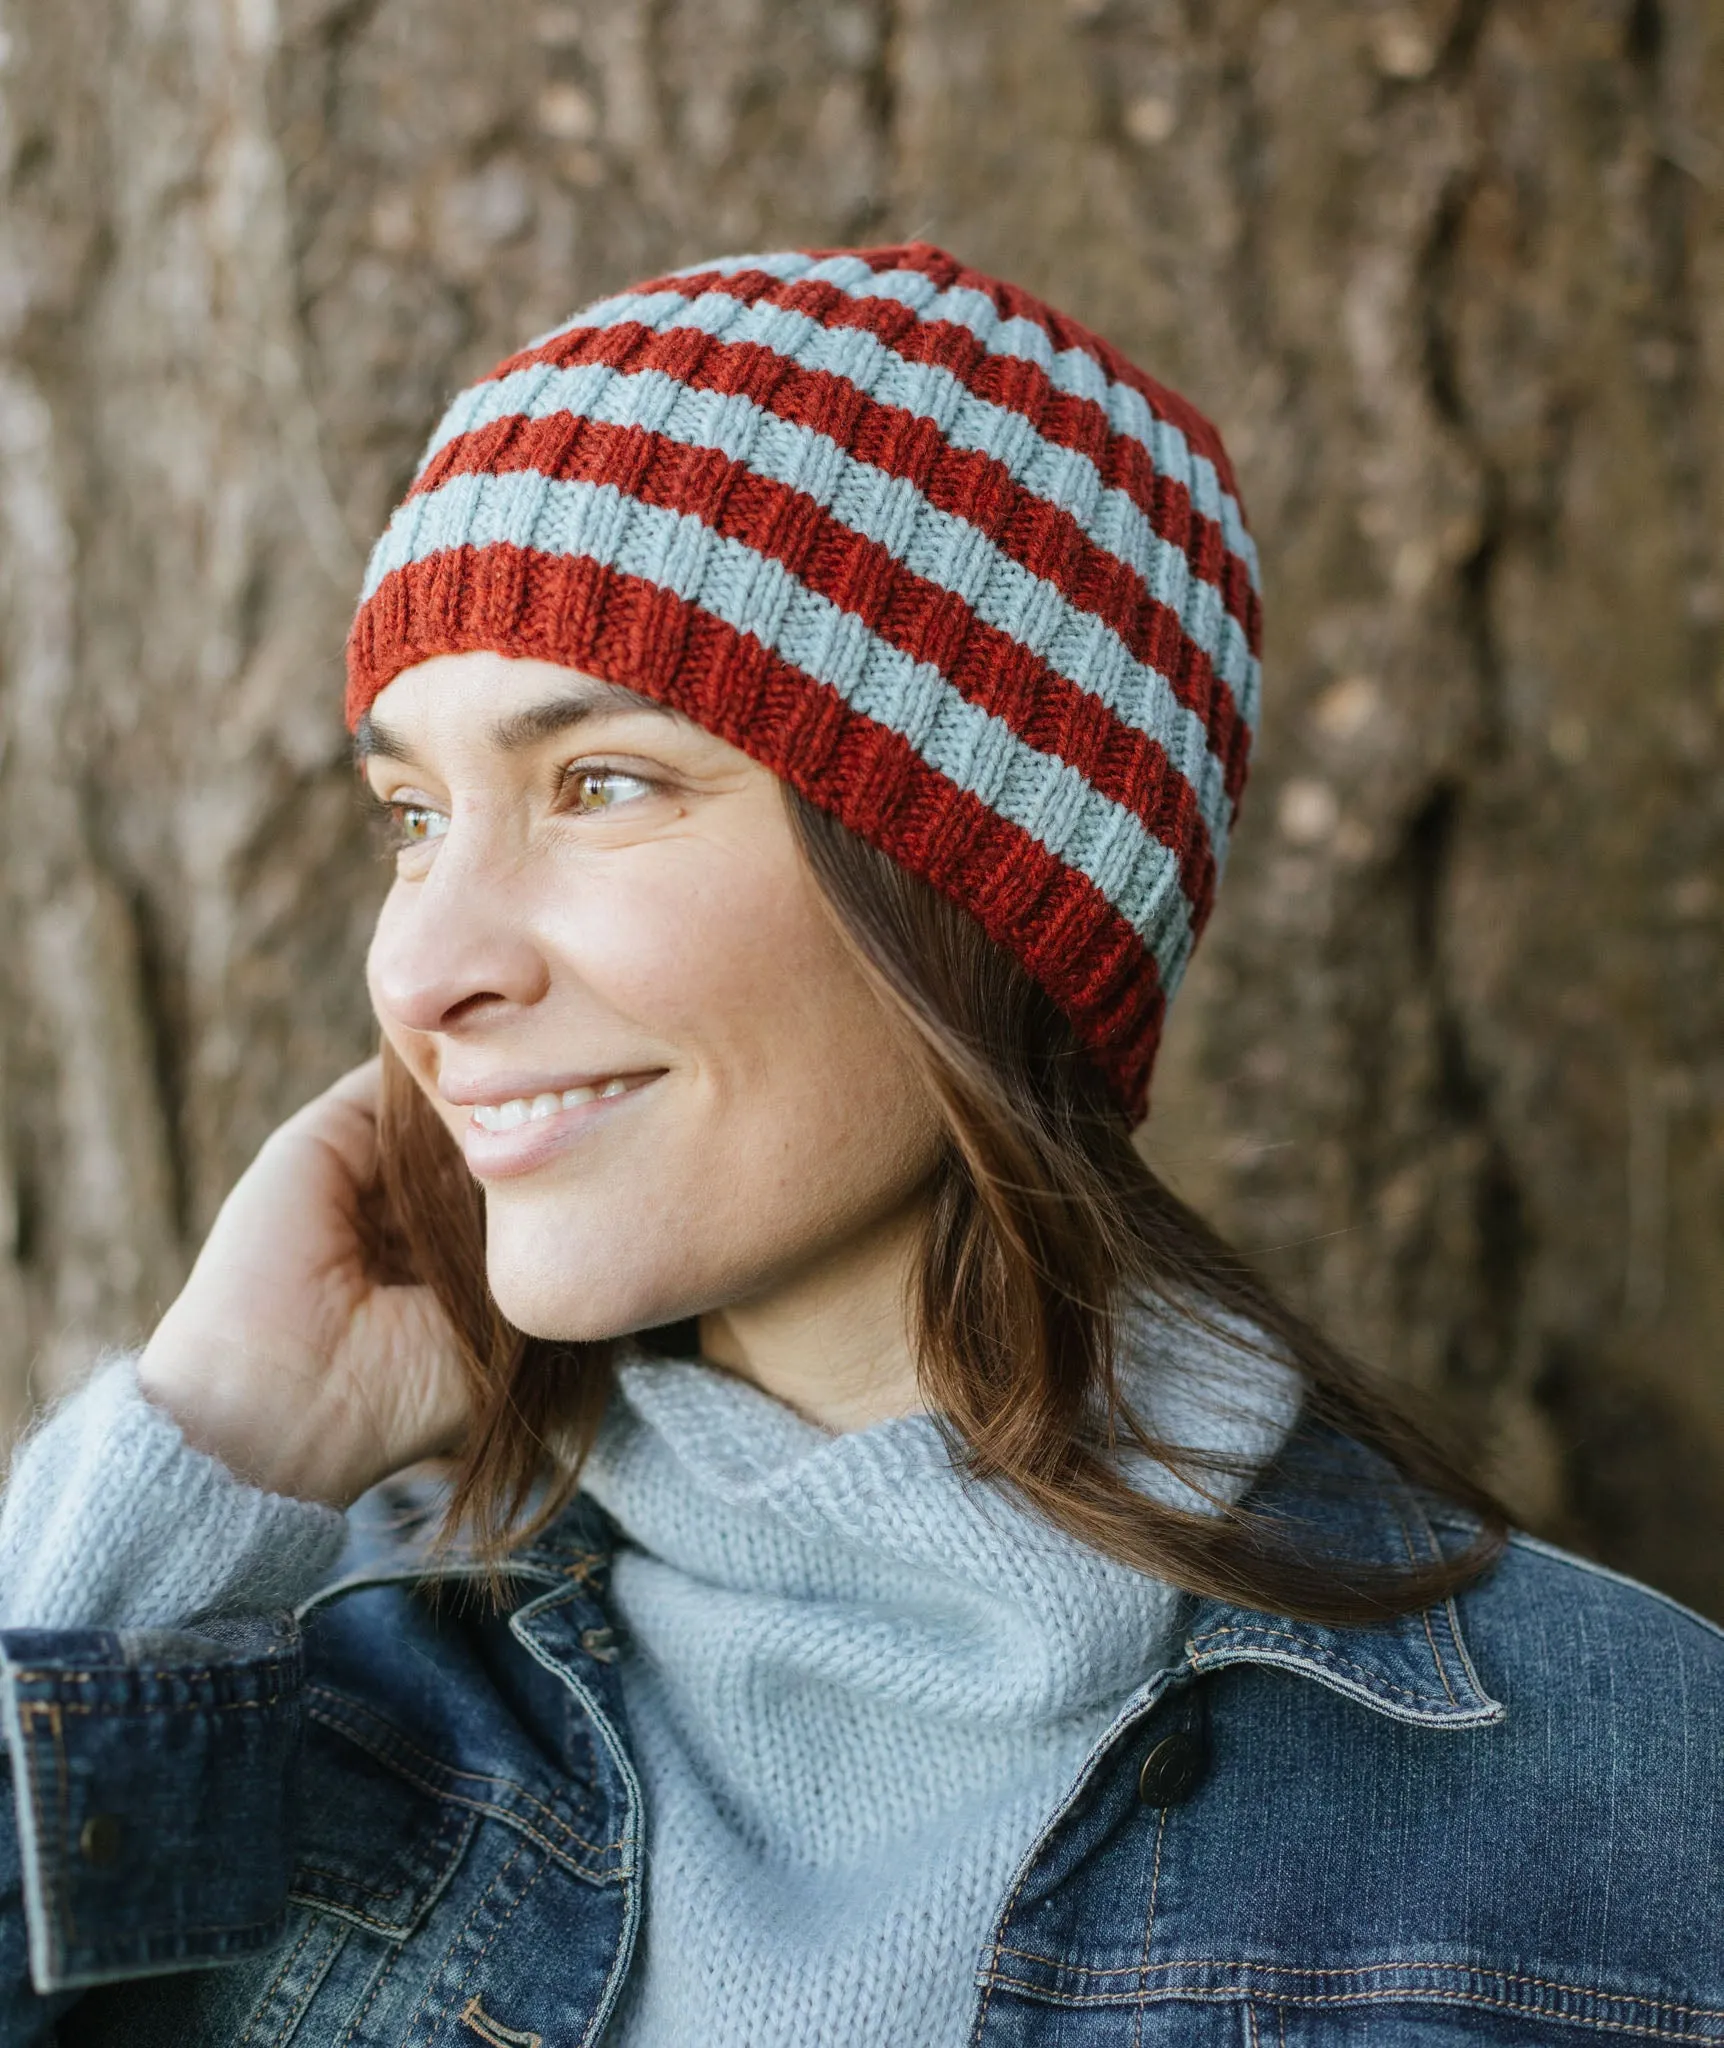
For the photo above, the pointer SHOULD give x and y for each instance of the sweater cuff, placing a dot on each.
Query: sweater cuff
(112, 1520)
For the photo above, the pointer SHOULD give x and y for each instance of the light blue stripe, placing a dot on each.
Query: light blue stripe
(939, 546)
(754, 594)
(1072, 370)
(1110, 517)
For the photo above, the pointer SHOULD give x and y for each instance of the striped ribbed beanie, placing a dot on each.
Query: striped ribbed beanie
(929, 550)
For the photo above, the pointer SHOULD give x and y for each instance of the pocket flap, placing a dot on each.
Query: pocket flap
(373, 1845)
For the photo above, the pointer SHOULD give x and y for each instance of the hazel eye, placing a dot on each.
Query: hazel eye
(591, 790)
(414, 824)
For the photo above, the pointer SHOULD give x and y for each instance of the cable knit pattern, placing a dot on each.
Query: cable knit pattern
(112, 1520)
(858, 1686)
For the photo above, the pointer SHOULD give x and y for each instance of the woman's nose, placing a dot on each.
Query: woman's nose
(449, 947)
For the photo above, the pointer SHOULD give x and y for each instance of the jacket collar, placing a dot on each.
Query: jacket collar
(1325, 1488)
(1348, 1502)
(1351, 1503)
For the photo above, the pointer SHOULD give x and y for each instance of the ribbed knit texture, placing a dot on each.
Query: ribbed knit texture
(858, 1687)
(111, 1520)
(925, 547)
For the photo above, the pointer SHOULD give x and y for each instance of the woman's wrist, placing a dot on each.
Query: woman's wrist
(113, 1518)
(211, 1391)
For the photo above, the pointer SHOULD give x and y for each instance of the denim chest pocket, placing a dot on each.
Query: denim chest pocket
(378, 1838)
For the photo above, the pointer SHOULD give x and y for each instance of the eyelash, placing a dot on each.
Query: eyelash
(390, 818)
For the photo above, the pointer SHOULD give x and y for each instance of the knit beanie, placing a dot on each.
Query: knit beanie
(929, 550)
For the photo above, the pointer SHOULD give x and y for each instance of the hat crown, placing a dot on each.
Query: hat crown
(930, 550)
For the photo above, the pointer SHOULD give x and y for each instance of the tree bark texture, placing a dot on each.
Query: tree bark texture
(1449, 274)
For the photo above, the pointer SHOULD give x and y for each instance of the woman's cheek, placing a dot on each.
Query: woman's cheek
(703, 952)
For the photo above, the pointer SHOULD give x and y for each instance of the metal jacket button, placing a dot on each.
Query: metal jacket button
(99, 1840)
(1171, 1771)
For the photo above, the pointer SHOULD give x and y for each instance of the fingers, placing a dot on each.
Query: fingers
(344, 1118)
(361, 1084)
(447, 1392)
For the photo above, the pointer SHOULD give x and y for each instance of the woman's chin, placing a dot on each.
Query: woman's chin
(546, 1306)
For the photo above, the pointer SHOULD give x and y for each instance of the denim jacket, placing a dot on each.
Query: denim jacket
(406, 1817)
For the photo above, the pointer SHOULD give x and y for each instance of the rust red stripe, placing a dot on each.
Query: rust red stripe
(925, 621)
(1013, 382)
(1039, 535)
(1014, 303)
(575, 611)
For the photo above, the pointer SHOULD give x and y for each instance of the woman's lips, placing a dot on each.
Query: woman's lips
(532, 1132)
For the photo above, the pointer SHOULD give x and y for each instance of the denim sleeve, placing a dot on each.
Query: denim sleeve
(153, 1775)
(149, 1701)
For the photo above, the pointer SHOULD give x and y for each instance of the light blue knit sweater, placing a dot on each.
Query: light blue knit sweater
(857, 1685)
(111, 1520)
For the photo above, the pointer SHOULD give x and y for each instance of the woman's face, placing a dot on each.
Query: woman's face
(607, 965)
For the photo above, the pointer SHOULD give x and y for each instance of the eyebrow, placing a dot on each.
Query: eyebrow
(520, 730)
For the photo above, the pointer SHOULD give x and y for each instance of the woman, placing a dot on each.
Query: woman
(902, 1580)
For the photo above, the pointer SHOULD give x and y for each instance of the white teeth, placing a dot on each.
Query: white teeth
(504, 1116)
(509, 1116)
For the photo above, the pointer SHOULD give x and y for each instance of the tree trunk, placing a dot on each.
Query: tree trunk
(1449, 274)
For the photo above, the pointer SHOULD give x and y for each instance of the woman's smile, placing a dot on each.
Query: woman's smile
(520, 1133)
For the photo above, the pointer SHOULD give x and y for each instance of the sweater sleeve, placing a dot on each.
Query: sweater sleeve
(110, 1519)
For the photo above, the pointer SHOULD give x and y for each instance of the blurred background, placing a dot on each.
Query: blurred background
(1448, 273)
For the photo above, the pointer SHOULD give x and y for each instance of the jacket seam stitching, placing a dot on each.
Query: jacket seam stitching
(343, 1713)
(1000, 1927)
(394, 1739)
(1702, 2012)
(386, 1969)
(1646, 2029)
(467, 1975)
(1425, 1615)
(446, 1961)
(179, 1674)
(331, 1909)
(495, 1808)
(395, 1930)
(275, 1983)
(57, 1892)
(129, 1709)
(336, 1940)
(1317, 1655)
(1149, 1924)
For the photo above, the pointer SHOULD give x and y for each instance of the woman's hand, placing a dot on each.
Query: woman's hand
(285, 1356)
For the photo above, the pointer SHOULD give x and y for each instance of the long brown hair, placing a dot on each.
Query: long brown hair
(1046, 1225)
